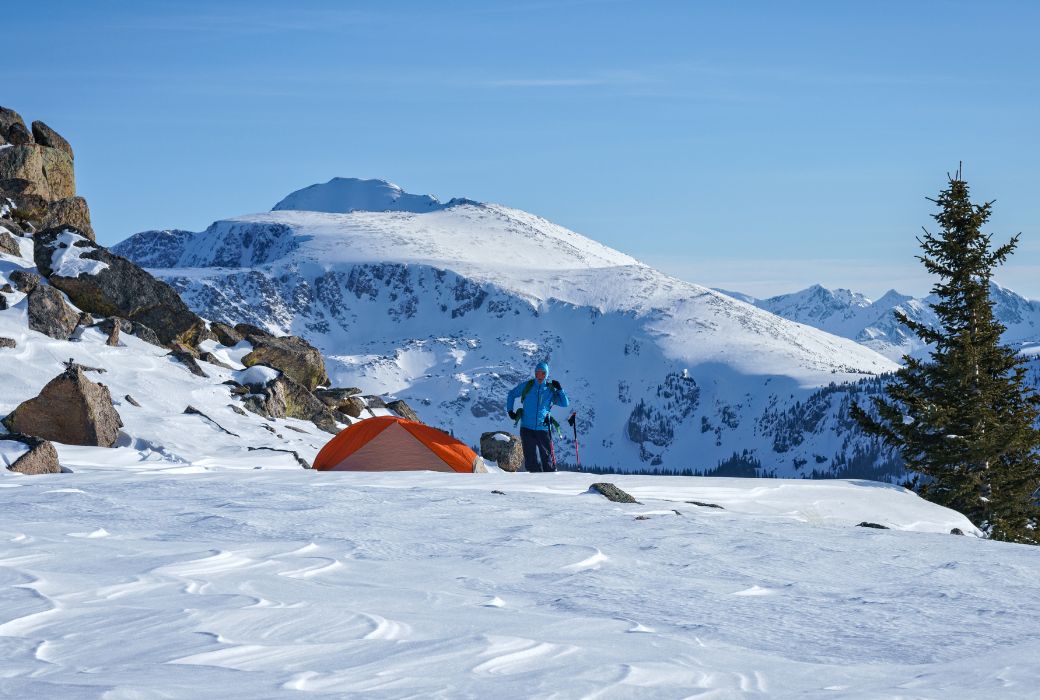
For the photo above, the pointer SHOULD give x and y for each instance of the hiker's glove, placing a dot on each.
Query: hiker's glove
(512, 415)
(555, 385)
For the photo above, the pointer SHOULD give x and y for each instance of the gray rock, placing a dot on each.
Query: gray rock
(336, 397)
(41, 458)
(8, 118)
(71, 212)
(509, 454)
(403, 409)
(188, 360)
(6, 288)
(702, 504)
(373, 401)
(8, 244)
(3, 303)
(122, 289)
(46, 136)
(146, 334)
(71, 410)
(875, 526)
(132, 401)
(352, 406)
(18, 135)
(285, 398)
(249, 331)
(113, 336)
(214, 360)
(292, 356)
(8, 343)
(24, 281)
(49, 314)
(226, 335)
(612, 492)
(86, 319)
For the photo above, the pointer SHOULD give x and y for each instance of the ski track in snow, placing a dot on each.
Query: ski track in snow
(263, 584)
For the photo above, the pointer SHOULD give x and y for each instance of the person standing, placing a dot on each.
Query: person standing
(537, 397)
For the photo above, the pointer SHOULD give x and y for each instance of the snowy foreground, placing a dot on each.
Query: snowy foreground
(120, 582)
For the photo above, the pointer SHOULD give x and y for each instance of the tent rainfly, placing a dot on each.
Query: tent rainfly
(388, 444)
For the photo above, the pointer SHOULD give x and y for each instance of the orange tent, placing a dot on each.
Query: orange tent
(390, 444)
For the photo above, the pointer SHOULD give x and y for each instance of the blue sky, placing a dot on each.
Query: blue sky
(756, 146)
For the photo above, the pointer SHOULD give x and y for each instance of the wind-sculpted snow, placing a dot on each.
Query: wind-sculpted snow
(261, 584)
(450, 309)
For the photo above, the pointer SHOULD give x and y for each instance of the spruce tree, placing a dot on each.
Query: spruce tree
(965, 421)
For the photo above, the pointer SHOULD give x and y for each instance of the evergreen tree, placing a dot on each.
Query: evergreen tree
(965, 420)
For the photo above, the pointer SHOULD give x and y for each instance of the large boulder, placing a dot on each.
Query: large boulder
(403, 409)
(23, 164)
(503, 448)
(59, 173)
(71, 212)
(71, 409)
(285, 398)
(116, 287)
(8, 118)
(18, 135)
(294, 357)
(24, 281)
(226, 335)
(49, 314)
(8, 244)
(46, 136)
(41, 458)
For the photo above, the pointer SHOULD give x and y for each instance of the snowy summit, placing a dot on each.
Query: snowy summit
(342, 195)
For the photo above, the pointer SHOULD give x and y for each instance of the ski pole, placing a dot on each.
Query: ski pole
(573, 420)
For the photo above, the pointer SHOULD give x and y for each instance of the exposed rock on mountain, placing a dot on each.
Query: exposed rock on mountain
(293, 356)
(46, 136)
(49, 314)
(71, 212)
(41, 458)
(401, 408)
(108, 285)
(72, 410)
(8, 244)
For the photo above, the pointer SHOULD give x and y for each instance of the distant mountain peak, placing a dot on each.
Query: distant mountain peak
(342, 195)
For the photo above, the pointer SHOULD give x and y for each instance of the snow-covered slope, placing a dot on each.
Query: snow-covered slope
(346, 194)
(262, 584)
(450, 309)
(873, 323)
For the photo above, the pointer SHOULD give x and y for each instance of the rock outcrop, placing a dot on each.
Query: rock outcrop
(71, 212)
(294, 357)
(285, 398)
(612, 492)
(49, 314)
(226, 335)
(24, 281)
(72, 410)
(120, 288)
(403, 409)
(46, 136)
(41, 458)
(503, 448)
(8, 244)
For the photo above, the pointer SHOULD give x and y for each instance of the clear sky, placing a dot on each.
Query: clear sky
(755, 146)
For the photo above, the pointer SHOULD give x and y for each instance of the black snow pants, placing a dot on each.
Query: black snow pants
(537, 447)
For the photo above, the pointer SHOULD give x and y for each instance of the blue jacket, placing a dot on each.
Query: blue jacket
(536, 406)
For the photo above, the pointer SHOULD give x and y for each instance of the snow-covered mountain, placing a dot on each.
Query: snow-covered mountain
(873, 323)
(451, 308)
(342, 195)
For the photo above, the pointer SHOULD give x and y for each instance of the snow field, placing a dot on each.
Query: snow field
(267, 583)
